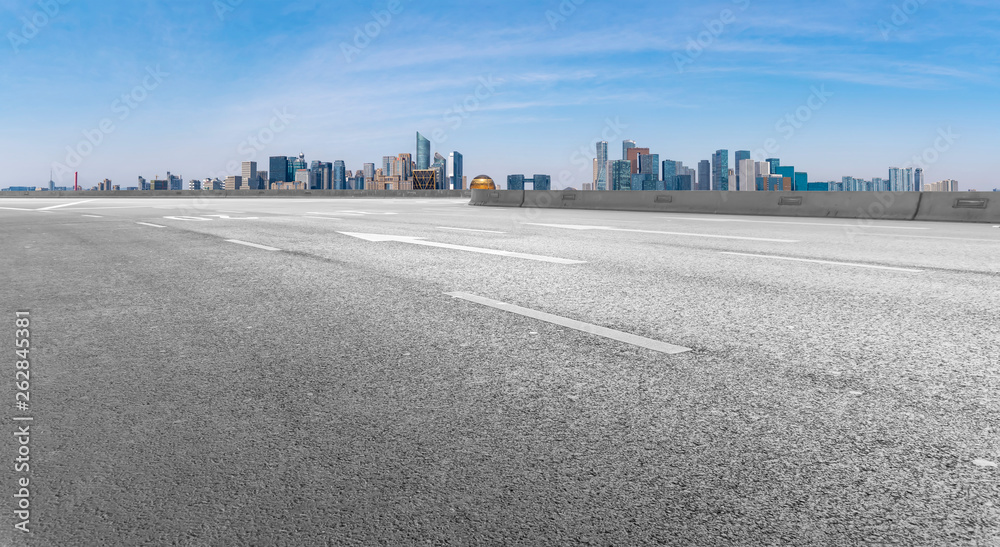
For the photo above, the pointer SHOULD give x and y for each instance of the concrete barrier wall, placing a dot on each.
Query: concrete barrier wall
(246, 194)
(871, 205)
(497, 198)
(960, 207)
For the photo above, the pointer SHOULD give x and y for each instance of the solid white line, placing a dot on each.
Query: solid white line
(613, 229)
(826, 262)
(65, 205)
(935, 237)
(265, 247)
(324, 218)
(588, 328)
(858, 225)
(469, 230)
(92, 216)
(152, 225)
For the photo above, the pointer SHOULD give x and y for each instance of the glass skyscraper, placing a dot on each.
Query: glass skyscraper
(423, 152)
(625, 148)
(720, 170)
(456, 171)
(339, 175)
(278, 170)
(704, 175)
(669, 175)
(621, 175)
(602, 166)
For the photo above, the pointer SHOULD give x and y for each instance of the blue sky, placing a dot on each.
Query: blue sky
(868, 85)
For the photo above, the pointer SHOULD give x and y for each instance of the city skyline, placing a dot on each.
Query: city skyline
(185, 90)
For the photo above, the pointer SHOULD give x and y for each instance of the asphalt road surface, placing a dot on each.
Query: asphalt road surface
(420, 372)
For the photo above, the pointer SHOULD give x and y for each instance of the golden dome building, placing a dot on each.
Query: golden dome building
(482, 182)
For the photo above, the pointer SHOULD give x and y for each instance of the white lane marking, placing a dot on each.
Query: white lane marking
(469, 230)
(65, 205)
(188, 219)
(612, 229)
(935, 237)
(858, 225)
(151, 225)
(420, 241)
(854, 264)
(348, 214)
(92, 216)
(588, 328)
(323, 218)
(265, 247)
(121, 207)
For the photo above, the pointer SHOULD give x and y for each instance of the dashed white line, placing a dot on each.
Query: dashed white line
(588, 328)
(92, 216)
(853, 264)
(469, 230)
(65, 205)
(254, 245)
(324, 218)
(684, 234)
(151, 225)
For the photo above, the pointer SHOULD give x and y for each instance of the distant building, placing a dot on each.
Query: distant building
(175, 182)
(234, 182)
(633, 157)
(159, 185)
(720, 170)
(739, 156)
(369, 172)
(620, 175)
(339, 175)
(649, 165)
(601, 180)
(194, 184)
(626, 145)
(456, 171)
(277, 170)
(249, 174)
(440, 166)
(918, 180)
(669, 174)
(704, 175)
(423, 152)
(424, 179)
(538, 182)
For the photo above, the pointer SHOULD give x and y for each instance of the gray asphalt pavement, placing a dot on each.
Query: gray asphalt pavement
(320, 386)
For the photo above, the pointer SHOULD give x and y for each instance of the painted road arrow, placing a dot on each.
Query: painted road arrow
(379, 238)
(613, 229)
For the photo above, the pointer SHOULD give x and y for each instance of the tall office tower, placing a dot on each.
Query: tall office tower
(143, 185)
(405, 165)
(515, 182)
(278, 170)
(194, 184)
(290, 174)
(774, 163)
(177, 183)
(739, 156)
(625, 147)
(456, 171)
(896, 179)
(542, 182)
(300, 162)
(633, 157)
(669, 172)
(233, 182)
(908, 179)
(339, 175)
(440, 167)
(704, 175)
(593, 181)
(601, 181)
(649, 164)
(387, 165)
(423, 152)
(326, 176)
(369, 171)
(762, 171)
(918, 180)
(621, 175)
(720, 170)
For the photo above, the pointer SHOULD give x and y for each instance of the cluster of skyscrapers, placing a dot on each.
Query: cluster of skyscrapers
(641, 170)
